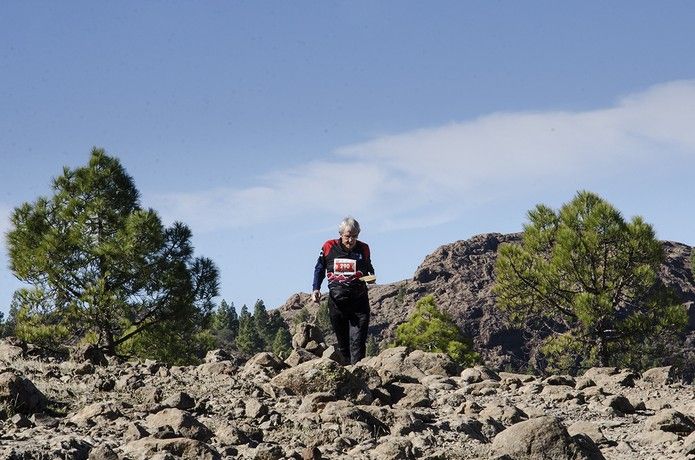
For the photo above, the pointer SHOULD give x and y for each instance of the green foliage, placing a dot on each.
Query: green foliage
(262, 323)
(248, 340)
(372, 346)
(432, 330)
(225, 318)
(282, 343)
(301, 317)
(591, 278)
(323, 318)
(98, 263)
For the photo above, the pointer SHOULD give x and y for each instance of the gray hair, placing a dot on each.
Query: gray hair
(349, 223)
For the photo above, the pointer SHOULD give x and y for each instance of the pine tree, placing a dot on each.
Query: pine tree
(261, 322)
(372, 346)
(432, 330)
(226, 319)
(590, 278)
(248, 340)
(101, 267)
(282, 343)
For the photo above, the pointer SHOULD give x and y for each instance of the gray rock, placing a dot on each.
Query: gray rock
(319, 375)
(180, 400)
(591, 429)
(508, 415)
(266, 360)
(300, 355)
(394, 448)
(19, 395)
(478, 374)
(268, 451)
(181, 447)
(135, 431)
(620, 403)
(89, 353)
(21, 421)
(93, 413)
(537, 439)
(432, 363)
(182, 422)
(103, 452)
(689, 444)
(672, 421)
(660, 375)
(254, 408)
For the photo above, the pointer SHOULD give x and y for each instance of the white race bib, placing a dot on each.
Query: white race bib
(344, 266)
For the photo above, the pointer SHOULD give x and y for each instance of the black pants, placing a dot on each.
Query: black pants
(350, 321)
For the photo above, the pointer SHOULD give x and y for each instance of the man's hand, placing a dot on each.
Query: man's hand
(316, 296)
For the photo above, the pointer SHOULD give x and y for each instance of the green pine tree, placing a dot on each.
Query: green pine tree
(102, 268)
(432, 330)
(372, 346)
(226, 318)
(248, 340)
(591, 278)
(282, 343)
(261, 322)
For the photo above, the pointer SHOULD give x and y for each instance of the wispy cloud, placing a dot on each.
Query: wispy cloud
(428, 176)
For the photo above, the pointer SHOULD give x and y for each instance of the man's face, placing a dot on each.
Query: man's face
(349, 238)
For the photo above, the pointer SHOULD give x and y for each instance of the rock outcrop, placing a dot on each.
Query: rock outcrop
(461, 275)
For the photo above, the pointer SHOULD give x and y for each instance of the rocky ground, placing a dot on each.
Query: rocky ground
(401, 404)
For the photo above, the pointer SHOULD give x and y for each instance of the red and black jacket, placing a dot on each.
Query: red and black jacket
(343, 268)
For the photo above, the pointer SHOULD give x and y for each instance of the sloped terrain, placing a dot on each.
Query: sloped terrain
(401, 404)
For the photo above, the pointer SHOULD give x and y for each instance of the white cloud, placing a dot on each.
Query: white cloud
(427, 176)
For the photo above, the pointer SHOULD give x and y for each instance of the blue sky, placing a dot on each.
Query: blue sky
(262, 124)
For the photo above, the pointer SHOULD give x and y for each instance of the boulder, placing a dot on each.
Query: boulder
(183, 423)
(508, 415)
(180, 447)
(392, 366)
(266, 360)
(89, 353)
(305, 333)
(672, 421)
(179, 400)
(433, 363)
(319, 375)
(478, 374)
(542, 438)
(660, 375)
(90, 415)
(19, 395)
(300, 355)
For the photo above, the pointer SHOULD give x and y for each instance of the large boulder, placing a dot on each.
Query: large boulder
(19, 395)
(183, 423)
(319, 375)
(181, 447)
(542, 438)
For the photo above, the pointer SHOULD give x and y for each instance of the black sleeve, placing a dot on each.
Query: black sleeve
(319, 272)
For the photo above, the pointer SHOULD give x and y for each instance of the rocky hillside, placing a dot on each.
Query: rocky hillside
(400, 404)
(460, 275)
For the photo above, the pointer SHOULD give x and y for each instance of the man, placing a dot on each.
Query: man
(344, 261)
